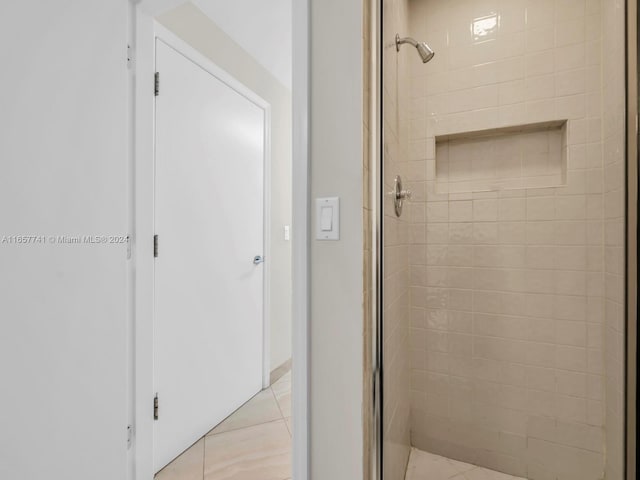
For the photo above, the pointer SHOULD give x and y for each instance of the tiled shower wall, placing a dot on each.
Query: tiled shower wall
(397, 368)
(507, 285)
(614, 211)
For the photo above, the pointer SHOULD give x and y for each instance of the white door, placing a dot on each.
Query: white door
(63, 305)
(210, 153)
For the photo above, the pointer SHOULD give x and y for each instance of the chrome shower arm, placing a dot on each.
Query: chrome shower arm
(402, 41)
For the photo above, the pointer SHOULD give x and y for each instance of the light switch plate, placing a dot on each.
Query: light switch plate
(328, 218)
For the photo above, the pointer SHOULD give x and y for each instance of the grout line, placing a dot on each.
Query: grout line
(286, 424)
(247, 426)
(239, 429)
(275, 397)
(243, 407)
(282, 419)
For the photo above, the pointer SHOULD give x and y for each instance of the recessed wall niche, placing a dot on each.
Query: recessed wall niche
(514, 157)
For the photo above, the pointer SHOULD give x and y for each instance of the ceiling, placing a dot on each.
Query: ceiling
(261, 27)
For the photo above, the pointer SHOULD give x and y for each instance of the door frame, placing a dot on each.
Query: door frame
(142, 55)
(183, 48)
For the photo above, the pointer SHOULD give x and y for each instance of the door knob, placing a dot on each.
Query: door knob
(258, 259)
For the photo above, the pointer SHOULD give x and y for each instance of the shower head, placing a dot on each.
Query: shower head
(424, 50)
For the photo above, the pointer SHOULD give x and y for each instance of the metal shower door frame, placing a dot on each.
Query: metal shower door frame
(375, 443)
(632, 222)
(631, 276)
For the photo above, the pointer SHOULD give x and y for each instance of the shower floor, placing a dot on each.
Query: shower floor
(427, 466)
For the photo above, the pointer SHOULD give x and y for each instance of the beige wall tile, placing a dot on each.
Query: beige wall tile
(508, 287)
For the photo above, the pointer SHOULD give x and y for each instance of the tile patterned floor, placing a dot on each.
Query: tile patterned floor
(426, 466)
(252, 444)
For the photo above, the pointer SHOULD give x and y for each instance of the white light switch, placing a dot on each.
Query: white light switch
(287, 233)
(328, 218)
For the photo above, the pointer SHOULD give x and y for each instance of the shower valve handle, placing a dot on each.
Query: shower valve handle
(404, 195)
(399, 195)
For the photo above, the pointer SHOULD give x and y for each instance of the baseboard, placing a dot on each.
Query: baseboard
(279, 372)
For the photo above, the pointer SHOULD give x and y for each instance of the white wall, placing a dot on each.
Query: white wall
(336, 267)
(63, 149)
(63, 308)
(194, 27)
(261, 28)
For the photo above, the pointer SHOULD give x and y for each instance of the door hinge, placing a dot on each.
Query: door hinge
(156, 83)
(129, 436)
(129, 57)
(155, 407)
(155, 246)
